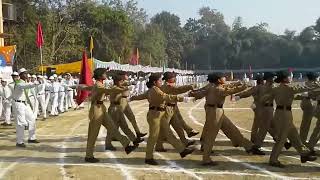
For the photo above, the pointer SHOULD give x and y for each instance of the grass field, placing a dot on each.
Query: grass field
(60, 155)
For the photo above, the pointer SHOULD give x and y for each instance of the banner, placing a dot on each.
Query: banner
(74, 67)
(7, 55)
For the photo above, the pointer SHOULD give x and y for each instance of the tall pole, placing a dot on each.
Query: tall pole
(1, 24)
(41, 60)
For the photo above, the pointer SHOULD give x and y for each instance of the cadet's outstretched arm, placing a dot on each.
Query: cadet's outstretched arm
(168, 97)
(229, 91)
(181, 89)
(247, 93)
(139, 97)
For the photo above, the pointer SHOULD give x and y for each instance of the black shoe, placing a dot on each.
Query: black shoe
(110, 148)
(129, 149)
(138, 141)
(277, 164)
(151, 162)
(33, 141)
(287, 145)
(140, 135)
(313, 153)
(91, 160)
(190, 143)
(257, 151)
(26, 128)
(21, 145)
(211, 163)
(186, 152)
(306, 158)
(193, 133)
(161, 150)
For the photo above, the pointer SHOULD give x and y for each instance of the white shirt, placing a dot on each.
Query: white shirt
(19, 90)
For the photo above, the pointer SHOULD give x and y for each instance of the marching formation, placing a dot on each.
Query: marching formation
(33, 96)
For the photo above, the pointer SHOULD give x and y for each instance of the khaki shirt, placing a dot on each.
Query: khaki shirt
(266, 89)
(175, 90)
(99, 92)
(157, 98)
(255, 92)
(116, 94)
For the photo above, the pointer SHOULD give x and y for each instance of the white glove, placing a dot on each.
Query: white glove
(237, 98)
(128, 99)
(253, 106)
(188, 99)
(305, 94)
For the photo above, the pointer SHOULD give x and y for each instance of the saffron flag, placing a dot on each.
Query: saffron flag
(85, 78)
(39, 40)
(7, 55)
(135, 58)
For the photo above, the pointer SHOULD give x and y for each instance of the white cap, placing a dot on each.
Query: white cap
(34, 76)
(29, 76)
(46, 77)
(68, 74)
(51, 78)
(22, 70)
(55, 75)
(15, 74)
(59, 77)
(39, 76)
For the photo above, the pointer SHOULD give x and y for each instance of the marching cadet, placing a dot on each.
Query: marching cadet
(6, 96)
(173, 113)
(25, 118)
(62, 93)
(54, 90)
(126, 109)
(48, 86)
(41, 97)
(156, 120)
(116, 113)
(255, 92)
(98, 116)
(69, 93)
(33, 96)
(307, 109)
(215, 94)
(283, 95)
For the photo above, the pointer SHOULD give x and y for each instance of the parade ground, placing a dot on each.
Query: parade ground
(60, 155)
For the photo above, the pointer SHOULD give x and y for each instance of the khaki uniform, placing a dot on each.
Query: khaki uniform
(126, 109)
(315, 135)
(283, 120)
(216, 119)
(115, 110)
(98, 116)
(172, 111)
(256, 93)
(307, 115)
(158, 120)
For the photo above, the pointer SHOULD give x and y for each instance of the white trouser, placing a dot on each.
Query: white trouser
(34, 105)
(70, 102)
(1, 106)
(24, 118)
(7, 111)
(61, 101)
(54, 104)
(42, 102)
(48, 97)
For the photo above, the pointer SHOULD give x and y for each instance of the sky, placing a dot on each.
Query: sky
(279, 14)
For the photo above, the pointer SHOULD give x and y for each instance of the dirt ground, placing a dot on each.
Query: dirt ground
(60, 155)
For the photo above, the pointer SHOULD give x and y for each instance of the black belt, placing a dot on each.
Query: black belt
(171, 104)
(99, 102)
(318, 101)
(124, 96)
(115, 103)
(268, 104)
(54, 92)
(40, 94)
(157, 108)
(70, 90)
(215, 106)
(31, 96)
(288, 108)
(19, 101)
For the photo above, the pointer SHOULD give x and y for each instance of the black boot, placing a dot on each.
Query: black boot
(277, 164)
(190, 143)
(33, 141)
(211, 163)
(256, 151)
(151, 162)
(287, 145)
(138, 141)
(91, 160)
(186, 152)
(22, 145)
(130, 148)
(110, 148)
(140, 135)
(192, 133)
(306, 158)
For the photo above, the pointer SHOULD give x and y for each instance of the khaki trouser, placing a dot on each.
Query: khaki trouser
(284, 126)
(265, 125)
(98, 116)
(307, 116)
(216, 120)
(255, 124)
(315, 136)
(119, 121)
(129, 114)
(181, 121)
(159, 123)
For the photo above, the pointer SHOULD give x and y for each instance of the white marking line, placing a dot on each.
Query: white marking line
(159, 168)
(63, 148)
(236, 160)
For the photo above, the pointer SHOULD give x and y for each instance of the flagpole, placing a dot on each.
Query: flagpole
(41, 60)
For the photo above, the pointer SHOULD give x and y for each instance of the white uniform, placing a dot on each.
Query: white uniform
(62, 93)
(69, 94)
(55, 87)
(41, 97)
(6, 96)
(48, 95)
(23, 113)
(33, 100)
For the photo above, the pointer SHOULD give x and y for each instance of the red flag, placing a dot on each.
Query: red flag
(85, 78)
(39, 36)
(135, 58)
